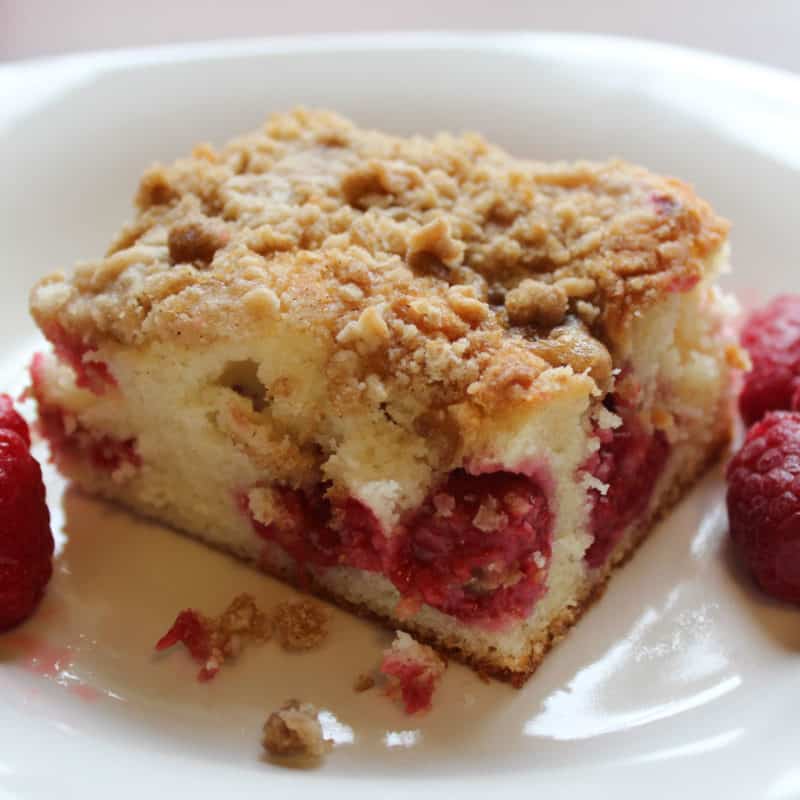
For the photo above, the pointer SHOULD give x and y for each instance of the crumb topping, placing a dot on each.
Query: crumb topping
(196, 241)
(440, 265)
(294, 730)
(535, 302)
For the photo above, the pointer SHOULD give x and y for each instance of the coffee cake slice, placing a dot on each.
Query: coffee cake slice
(431, 382)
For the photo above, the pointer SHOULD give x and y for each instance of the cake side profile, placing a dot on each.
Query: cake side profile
(434, 383)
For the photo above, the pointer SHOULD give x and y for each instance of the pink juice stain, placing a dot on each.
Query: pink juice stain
(41, 658)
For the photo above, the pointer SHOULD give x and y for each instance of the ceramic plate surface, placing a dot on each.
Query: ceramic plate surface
(682, 679)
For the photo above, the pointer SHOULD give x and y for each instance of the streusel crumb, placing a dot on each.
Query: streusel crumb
(301, 625)
(294, 730)
(537, 303)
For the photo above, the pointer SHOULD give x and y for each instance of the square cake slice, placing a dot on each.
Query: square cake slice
(429, 381)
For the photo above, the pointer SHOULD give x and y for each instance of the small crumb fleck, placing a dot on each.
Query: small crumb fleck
(301, 625)
(294, 731)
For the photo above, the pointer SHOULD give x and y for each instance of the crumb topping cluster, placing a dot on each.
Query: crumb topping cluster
(432, 260)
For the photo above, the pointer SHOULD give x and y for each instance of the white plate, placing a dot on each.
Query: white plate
(682, 679)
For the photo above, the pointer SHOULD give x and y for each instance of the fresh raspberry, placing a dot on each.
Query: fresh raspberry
(26, 543)
(10, 420)
(764, 503)
(772, 337)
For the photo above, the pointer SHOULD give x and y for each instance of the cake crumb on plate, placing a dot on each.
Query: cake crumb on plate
(294, 730)
(413, 671)
(301, 625)
(210, 640)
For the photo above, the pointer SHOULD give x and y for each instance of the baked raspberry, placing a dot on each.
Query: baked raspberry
(477, 548)
(764, 503)
(10, 420)
(772, 337)
(630, 462)
(26, 543)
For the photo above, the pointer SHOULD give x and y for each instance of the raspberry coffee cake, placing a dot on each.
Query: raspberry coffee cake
(429, 381)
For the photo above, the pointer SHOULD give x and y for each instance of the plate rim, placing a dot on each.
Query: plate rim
(777, 81)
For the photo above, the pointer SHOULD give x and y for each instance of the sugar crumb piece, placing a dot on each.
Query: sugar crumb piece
(534, 302)
(413, 671)
(294, 731)
(212, 640)
(196, 241)
(364, 683)
(368, 332)
(465, 302)
(577, 287)
(587, 312)
(262, 303)
(301, 625)
(434, 242)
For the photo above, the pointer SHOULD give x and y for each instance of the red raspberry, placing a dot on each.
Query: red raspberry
(772, 337)
(764, 503)
(26, 543)
(10, 420)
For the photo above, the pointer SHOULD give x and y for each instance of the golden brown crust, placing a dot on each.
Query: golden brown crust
(399, 254)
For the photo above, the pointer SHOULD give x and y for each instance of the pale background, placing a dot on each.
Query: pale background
(761, 30)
